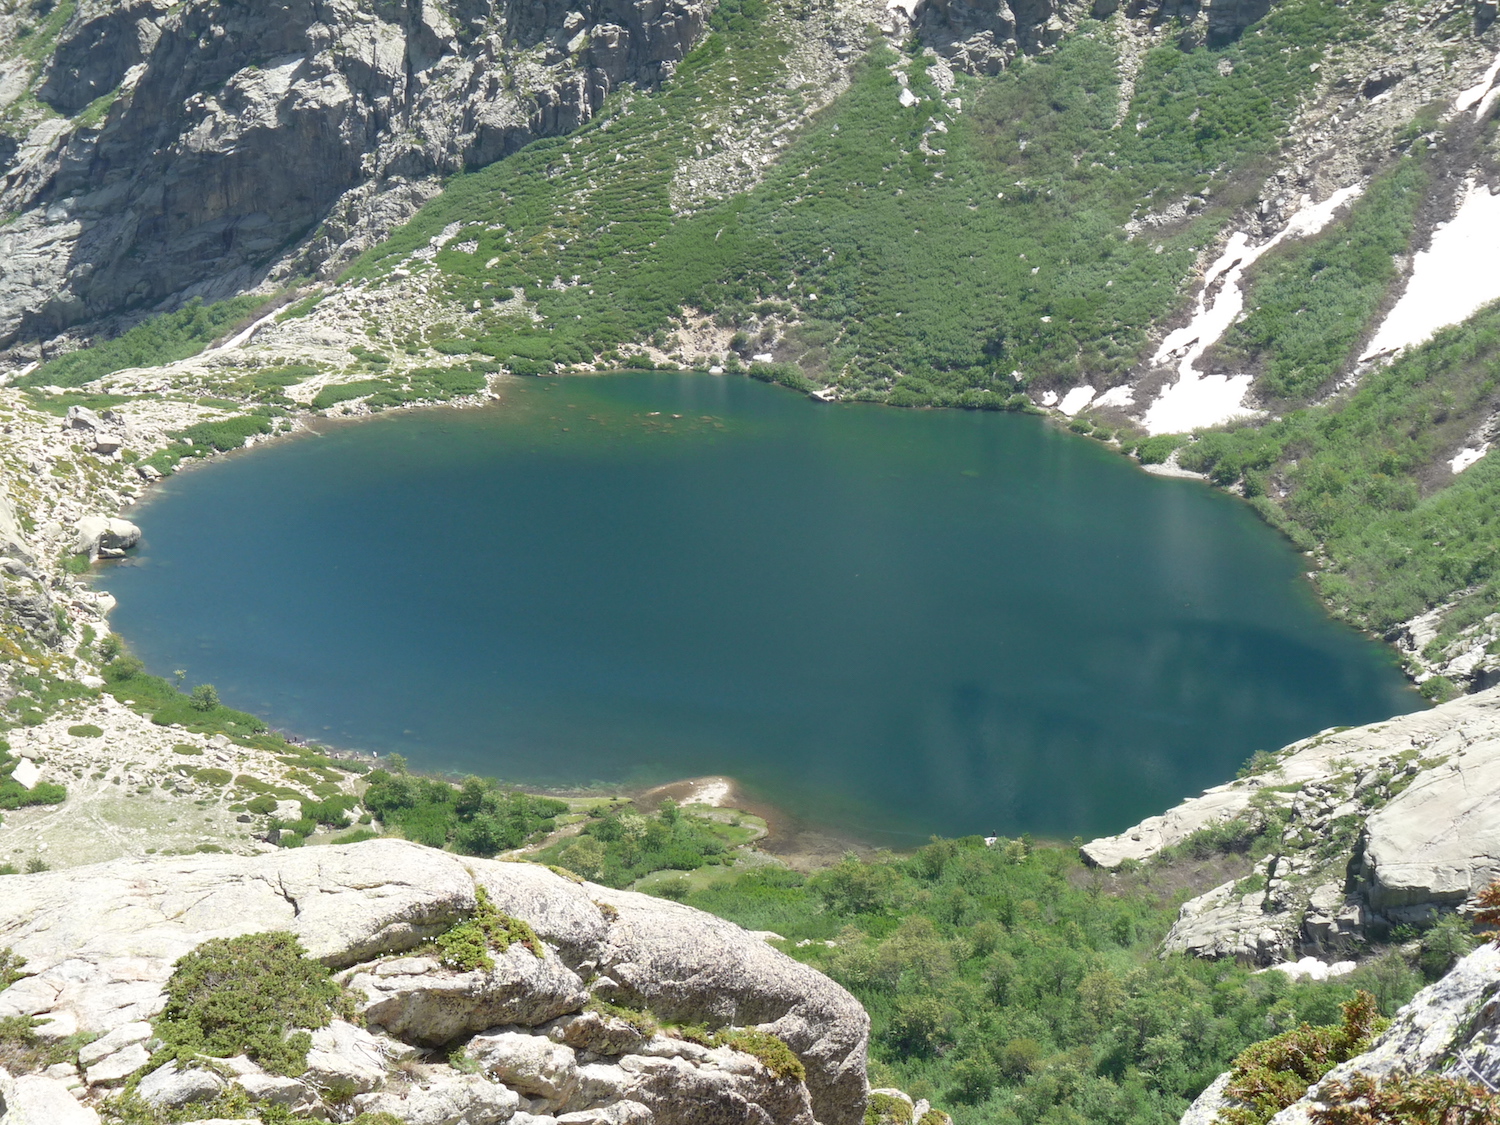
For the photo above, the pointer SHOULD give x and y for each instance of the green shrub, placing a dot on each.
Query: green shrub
(886, 1109)
(477, 818)
(261, 806)
(245, 995)
(226, 434)
(85, 730)
(769, 1050)
(14, 795)
(468, 945)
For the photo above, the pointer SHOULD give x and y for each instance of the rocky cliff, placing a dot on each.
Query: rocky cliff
(1352, 832)
(161, 149)
(541, 1028)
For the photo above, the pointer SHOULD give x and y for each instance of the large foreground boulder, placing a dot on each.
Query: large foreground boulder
(100, 943)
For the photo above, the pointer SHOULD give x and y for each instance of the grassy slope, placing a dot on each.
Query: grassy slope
(916, 276)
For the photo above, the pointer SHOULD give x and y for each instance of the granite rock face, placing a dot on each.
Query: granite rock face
(100, 943)
(221, 135)
(1380, 825)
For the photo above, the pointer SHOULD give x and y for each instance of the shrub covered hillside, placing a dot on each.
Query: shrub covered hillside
(1017, 987)
(950, 251)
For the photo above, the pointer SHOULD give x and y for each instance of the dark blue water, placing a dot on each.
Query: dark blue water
(893, 622)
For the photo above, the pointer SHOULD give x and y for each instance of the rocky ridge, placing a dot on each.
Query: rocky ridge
(100, 943)
(1357, 831)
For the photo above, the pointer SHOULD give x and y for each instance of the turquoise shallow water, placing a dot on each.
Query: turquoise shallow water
(892, 622)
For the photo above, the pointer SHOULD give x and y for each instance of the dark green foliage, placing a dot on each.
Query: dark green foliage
(1272, 1075)
(59, 404)
(162, 339)
(1355, 474)
(421, 384)
(468, 945)
(477, 818)
(1450, 939)
(628, 844)
(226, 434)
(14, 795)
(244, 995)
(888, 252)
(1015, 986)
(1311, 304)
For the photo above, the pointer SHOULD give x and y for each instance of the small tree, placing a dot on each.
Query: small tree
(205, 697)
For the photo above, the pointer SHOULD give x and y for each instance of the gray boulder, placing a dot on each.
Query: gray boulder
(172, 1086)
(107, 537)
(417, 999)
(454, 1099)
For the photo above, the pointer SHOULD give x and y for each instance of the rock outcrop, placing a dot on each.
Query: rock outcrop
(105, 537)
(1366, 828)
(100, 943)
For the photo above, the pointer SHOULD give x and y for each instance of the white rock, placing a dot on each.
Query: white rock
(171, 1086)
(36, 1100)
(27, 773)
(346, 1057)
(529, 1063)
(459, 1099)
(274, 1088)
(419, 1000)
(118, 1066)
(117, 1039)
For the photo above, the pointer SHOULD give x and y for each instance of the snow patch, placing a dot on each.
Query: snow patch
(1198, 400)
(1123, 395)
(1076, 399)
(1465, 458)
(1451, 280)
(1476, 93)
(1310, 968)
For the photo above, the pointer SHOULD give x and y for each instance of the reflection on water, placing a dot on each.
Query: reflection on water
(895, 622)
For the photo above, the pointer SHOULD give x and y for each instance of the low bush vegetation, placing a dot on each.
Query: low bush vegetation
(128, 681)
(623, 844)
(884, 240)
(476, 818)
(469, 944)
(246, 995)
(1311, 305)
(1272, 1075)
(162, 339)
(14, 795)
